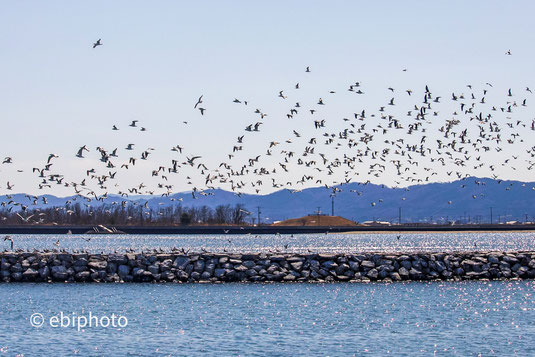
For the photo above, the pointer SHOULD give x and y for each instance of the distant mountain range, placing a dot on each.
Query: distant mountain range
(468, 199)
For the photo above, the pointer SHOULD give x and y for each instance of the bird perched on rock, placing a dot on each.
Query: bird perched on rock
(9, 239)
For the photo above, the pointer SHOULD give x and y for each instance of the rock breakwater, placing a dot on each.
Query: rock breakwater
(290, 267)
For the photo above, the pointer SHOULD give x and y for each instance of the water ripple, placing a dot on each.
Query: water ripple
(299, 243)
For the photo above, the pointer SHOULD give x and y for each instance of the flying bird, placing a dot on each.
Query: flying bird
(199, 101)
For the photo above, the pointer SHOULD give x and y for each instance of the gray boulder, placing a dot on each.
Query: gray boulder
(199, 266)
(367, 264)
(329, 264)
(80, 262)
(297, 265)
(181, 262)
(372, 274)
(403, 272)
(44, 272)
(154, 269)
(59, 272)
(123, 270)
(219, 273)
(30, 274)
(98, 265)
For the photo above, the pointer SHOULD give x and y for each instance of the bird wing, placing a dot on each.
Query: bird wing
(199, 101)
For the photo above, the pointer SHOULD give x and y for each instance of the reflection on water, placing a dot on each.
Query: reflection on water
(408, 319)
(302, 243)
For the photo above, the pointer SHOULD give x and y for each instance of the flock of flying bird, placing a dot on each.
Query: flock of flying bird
(413, 147)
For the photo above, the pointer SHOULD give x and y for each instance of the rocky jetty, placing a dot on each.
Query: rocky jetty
(206, 267)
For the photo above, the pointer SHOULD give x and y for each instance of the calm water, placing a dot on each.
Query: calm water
(407, 242)
(409, 319)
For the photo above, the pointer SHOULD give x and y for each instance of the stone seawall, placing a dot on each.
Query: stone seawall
(290, 267)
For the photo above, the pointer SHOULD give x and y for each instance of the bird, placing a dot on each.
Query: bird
(50, 157)
(8, 238)
(190, 160)
(465, 136)
(25, 219)
(98, 43)
(199, 101)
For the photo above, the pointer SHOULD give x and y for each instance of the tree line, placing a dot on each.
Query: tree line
(130, 214)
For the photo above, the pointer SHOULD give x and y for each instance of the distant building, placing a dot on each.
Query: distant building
(317, 220)
(376, 223)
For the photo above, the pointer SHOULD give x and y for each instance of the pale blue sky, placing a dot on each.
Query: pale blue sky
(57, 93)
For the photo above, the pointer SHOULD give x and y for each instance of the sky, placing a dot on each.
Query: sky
(57, 93)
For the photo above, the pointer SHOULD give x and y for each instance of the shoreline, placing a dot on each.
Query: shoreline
(438, 231)
(175, 267)
(179, 230)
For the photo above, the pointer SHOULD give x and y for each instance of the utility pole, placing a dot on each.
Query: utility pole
(258, 210)
(332, 205)
(399, 216)
(491, 215)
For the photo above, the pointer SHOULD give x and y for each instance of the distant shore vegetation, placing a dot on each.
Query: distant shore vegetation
(134, 215)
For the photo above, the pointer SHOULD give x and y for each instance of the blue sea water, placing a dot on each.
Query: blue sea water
(339, 319)
(298, 243)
